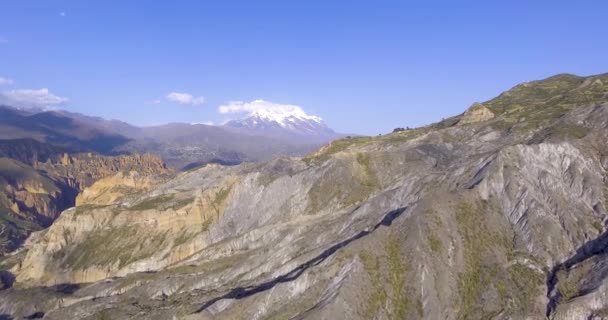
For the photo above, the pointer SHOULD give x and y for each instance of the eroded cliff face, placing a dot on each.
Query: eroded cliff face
(108, 190)
(33, 195)
(502, 218)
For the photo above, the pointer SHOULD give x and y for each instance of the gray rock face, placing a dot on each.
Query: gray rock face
(499, 219)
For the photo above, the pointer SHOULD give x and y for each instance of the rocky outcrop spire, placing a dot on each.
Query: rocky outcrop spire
(476, 113)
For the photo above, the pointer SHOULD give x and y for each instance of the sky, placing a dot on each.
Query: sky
(365, 67)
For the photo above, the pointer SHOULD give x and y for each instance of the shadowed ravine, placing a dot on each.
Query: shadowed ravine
(244, 292)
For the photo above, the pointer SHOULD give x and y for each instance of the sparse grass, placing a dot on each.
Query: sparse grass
(148, 247)
(183, 238)
(537, 104)
(206, 224)
(434, 225)
(106, 246)
(347, 183)
(567, 285)
(484, 247)
(103, 315)
(407, 135)
(397, 272)
(561, 131)
(181, 203)
(476, 276)
(435, 244)
(152, 203)
(598, 226)
(378, 296)
(446, 123)
(501, 287)
(526, 282)
(85, 208)
(334, 147)
(221, 196)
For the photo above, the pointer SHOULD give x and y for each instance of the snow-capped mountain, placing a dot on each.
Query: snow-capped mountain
(285, 123)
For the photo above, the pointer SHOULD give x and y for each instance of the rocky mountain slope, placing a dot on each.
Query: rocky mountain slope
(34, 192)
(498, 213)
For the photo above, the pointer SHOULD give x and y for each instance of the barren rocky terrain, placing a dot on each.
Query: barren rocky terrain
(498, 213)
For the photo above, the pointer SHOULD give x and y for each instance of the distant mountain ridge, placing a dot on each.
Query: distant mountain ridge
(181, 145)
(57, 128)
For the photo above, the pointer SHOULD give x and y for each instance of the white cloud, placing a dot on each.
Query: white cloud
(185, 98)
(62, 13)
(30, 98)
(6, 82)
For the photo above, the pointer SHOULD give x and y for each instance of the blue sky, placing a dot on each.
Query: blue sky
(363, 66)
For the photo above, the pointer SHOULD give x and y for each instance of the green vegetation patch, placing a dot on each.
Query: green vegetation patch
(487, 249)
(434, 226)
(347, 183)
(561, 131)
(566, 286)
(527, 282)
(537, 104)
(153, 203)
(106, 246)
(598, 226)
(568, 281)
(404, 136)
(221, 196)
(183, 237)
(377, 296)
(85, 209)
(387, 275)
(435, 244)
(397, 272)
(178, 204)
(477, 240)
(334, 147)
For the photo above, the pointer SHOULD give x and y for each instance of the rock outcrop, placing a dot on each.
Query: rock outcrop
(33, 195)
(499, 219)
(476, 113)
(108, 190)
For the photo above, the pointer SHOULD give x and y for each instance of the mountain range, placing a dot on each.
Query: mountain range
(180, 145)
(49, 157)
(500, 212)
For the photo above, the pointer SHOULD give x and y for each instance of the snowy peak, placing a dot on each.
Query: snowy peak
(285, 116)
(282, 121)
